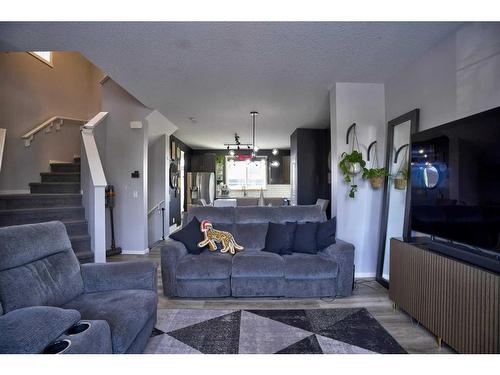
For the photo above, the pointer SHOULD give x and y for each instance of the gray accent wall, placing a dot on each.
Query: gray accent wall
(456, 78)
(30, 93)
(124, 150)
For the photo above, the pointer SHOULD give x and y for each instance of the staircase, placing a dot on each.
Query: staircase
(56, 197)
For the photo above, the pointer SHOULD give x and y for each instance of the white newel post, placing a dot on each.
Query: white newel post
(99, 239)
(97, 216)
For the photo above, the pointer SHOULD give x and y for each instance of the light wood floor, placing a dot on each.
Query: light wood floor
(368, 294)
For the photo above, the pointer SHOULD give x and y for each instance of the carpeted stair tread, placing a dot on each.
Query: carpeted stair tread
(60, 176)
(38, 215)
(86, 256)
(76, 227)
(54, 187)
(65, 167)
(80, 243)
(21, 201)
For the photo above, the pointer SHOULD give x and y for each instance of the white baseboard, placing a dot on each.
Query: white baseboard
(364, 274)
(19, 191)
(136, 252)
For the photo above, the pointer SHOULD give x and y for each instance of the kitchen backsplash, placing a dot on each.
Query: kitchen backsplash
(272, 191)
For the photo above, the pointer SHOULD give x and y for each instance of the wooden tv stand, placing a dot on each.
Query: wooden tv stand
(456, 301)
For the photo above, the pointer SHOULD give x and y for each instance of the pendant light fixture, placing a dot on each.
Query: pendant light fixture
(254, 146)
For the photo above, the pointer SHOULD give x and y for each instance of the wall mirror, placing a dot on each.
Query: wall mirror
(396, 201)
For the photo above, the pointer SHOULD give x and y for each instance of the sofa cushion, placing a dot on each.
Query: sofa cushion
(190, 236)
(280, 238)
(205, 266)
(326, 233)
(251, 236)
(51, 281)
(126, 312)
(258, 264)
(309, 266)
(305, 238)
(221, 215)
(23, 244)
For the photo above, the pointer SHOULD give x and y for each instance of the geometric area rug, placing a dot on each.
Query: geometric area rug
(312, 331)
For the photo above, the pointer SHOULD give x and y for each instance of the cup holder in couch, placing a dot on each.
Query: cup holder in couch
(57, 347)
(78, 328)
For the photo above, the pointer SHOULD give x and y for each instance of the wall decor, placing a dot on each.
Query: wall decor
(172, 150)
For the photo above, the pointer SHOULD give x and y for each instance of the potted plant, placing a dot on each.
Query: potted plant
(375, 176)
(350, 165)
(401, 179)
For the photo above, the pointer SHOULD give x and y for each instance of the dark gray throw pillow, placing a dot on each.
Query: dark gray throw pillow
(305, 238)
(326, 233)
(190, 236)
(280, 238)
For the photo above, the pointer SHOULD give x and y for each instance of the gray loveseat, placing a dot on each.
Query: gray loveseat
(252, 272)
(45, 294)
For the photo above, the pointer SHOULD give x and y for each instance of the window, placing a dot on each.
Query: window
(246, 174)
(44, 56)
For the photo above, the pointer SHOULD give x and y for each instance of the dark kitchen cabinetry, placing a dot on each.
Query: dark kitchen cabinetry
(203, 162)
(310, 174)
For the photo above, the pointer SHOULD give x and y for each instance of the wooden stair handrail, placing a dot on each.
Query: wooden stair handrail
(57, 120)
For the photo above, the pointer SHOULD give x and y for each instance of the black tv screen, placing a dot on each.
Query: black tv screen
(455, 181)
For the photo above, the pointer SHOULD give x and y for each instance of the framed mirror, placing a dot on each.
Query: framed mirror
(396, 201)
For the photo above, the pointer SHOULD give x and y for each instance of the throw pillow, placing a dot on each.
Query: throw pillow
(305, 238)
(326, 233)
(190, 236)
(212, 237)
(279, 238)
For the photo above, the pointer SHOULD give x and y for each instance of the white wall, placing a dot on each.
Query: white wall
(458, 77)
(358, 219)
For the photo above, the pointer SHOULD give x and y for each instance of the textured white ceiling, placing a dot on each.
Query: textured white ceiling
(219, 72)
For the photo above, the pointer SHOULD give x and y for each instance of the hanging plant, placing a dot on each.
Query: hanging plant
(375, 176)
(351, 164)
(401, 177)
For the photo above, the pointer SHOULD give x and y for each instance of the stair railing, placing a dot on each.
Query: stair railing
(94, 196)
(3, 134)
(56, 121)
(160, 206)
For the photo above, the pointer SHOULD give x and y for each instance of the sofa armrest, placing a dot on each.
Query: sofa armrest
(343, 254)
(101, 277)
(30, 329)
(171, 253)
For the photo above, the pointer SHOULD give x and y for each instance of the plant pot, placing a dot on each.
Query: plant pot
(400, 183)
(376, 182)
(354, 168)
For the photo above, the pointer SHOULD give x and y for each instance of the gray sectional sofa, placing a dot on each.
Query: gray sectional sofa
(252, 272)
(48, 301)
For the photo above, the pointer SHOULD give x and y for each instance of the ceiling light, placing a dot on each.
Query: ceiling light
(231, 152)
(255, 148)
(275, 164)
(275, 151)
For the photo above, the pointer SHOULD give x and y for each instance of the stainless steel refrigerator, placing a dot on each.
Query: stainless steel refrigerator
(200, 188)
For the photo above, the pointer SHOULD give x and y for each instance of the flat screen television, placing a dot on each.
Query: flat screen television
(455, 183)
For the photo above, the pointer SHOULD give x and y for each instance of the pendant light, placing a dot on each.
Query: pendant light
(254, 115)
